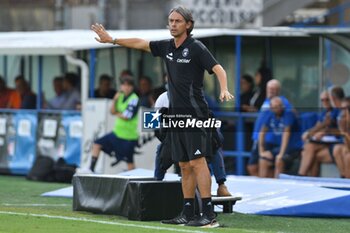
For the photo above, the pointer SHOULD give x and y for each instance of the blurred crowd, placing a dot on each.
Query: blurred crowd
(286, 140)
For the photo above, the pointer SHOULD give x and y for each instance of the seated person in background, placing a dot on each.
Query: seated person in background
(123, 140)
(341, 151)
(164, 158)
(262, 77)
(326, 117)
(273, 89)
(104, 89)
(145, 92)
(316, 149)
(247, 92)
(58, 100)
(28, 98)
(286, 144)
(9, 98)
(71, 96)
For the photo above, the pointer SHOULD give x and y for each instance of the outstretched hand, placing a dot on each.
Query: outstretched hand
(226, 96)
(103, 36)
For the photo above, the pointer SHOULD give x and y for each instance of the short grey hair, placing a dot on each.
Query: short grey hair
(187, 14)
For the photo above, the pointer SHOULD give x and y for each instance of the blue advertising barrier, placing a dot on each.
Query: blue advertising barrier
(20, 132)
(21, 142)
(71, 138)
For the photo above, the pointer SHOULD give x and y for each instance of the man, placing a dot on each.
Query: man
(28, 97)
(59, 99)
(186, 60)
(104, 89)
(273, 88)
(286, 144)
(342, 151)
(145, 91)
(9, 98)
(316, 149)
(71, 96)
(122, 141)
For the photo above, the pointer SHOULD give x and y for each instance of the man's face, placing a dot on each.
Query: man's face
(325, 100)
(245, 86)
(126, 88)
(177, 24)
(272, 91)
(58, 86)
(105, 85)
(144, 86)
(276, 106)
(66, 85)
(20, 86)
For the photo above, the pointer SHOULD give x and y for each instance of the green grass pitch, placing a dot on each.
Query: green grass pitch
(23, 210)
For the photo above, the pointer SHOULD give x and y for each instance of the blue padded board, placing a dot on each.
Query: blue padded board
(289, 197)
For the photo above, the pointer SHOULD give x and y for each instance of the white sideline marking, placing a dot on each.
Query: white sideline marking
(9, 204)
(101, 222)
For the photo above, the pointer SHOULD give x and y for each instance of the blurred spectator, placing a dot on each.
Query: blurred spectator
(9, 98)
(121, 142)
(28, 98)
(262, 77)
(342, 151)
(273, 89)
(145, 91)
(71, 96)
(336, 96)
(321, 139)
(286, 144)
(57, 101)
(104, 89)
(247, 92)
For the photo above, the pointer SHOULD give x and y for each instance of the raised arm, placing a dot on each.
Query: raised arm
(133, 43)
(221, 76)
